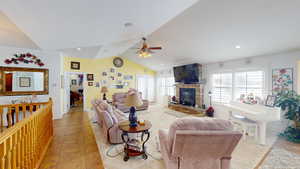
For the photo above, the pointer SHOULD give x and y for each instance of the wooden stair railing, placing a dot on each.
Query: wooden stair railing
(13, 113)
(23, 145)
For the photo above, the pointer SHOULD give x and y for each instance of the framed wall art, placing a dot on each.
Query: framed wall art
(73, 82)
(90, 77)
(75, 65)
(90, 83)
(282, 80)
(128, 77)
(270, 101)
(25, 82)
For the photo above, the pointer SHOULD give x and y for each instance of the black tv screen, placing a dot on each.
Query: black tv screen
(187, 74)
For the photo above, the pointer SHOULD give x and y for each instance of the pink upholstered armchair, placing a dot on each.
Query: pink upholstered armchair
(198, 143)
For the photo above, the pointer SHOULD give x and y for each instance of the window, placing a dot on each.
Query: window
(225, 88)
(166, 86)
(249, 82)
(222, 87)
(146, 85)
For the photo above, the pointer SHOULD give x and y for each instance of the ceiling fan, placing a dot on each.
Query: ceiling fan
(145, 51)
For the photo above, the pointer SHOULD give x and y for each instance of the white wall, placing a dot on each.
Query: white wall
(52, 62)
(265, 63)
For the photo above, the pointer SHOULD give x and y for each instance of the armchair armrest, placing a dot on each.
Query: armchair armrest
(164, 142)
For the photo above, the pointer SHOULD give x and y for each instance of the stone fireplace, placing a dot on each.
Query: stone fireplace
(186, 93)
(187, 96)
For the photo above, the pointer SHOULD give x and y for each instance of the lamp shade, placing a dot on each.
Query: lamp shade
(133, 99)
(104, 89)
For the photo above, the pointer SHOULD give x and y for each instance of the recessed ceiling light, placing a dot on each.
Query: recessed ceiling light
(237, 47)
(128, 24)
(78, 48)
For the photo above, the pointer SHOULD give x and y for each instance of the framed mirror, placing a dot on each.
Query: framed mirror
(23, 81)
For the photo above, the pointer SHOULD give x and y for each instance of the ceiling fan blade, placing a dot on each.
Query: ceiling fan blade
(155, 48)
(135, 48)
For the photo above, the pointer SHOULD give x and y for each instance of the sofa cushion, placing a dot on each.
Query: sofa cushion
(196, 123)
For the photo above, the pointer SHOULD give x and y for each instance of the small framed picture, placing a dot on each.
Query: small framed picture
(271, 101)
(75, 65)
(97, 84)
(128, 77)
(119, 74)
(112, 77)
(119, 86)
(112, 70)
(90, 83)
(25, 82)
(74, 82)
(104, 74)
(103, 82)
(90, 77)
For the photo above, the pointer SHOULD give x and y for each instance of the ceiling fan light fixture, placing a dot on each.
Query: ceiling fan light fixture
(144, 54)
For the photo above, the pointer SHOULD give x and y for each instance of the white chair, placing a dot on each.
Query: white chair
(245, 124)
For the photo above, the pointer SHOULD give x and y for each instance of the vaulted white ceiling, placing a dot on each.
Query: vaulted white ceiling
(11, 35)
(210, 30)
(189, 31)
(66, 24)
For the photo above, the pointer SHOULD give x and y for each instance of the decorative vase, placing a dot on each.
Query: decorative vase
(210, 112)
(132, 118)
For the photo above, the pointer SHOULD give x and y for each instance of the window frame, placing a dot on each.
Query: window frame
(233, 72)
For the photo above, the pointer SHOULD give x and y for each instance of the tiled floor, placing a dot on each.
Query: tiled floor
(73, 145)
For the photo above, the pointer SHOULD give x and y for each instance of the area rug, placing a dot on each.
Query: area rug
(283, 155)
(247, 155)
(280, 158)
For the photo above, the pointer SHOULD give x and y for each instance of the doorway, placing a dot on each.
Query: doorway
(74, 91)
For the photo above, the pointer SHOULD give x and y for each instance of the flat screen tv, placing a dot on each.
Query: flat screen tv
(187, 74)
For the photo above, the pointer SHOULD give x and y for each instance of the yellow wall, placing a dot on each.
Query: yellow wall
(97, 66)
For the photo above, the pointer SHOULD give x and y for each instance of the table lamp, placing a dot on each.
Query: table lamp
(133, 100)
(104, 90)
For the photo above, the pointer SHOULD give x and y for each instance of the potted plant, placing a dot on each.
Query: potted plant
(289, 102)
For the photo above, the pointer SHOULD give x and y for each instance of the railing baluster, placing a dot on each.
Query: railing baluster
(2, 154)
(9, 114)
(1, 119)
(8, 152)
(24, 107)
(17, 108)
(14, 152)
(31, 108)
(19, 149)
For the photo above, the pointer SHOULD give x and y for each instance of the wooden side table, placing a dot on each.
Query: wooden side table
(145, 135)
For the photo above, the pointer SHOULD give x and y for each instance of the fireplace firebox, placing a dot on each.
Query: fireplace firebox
(187, 96)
